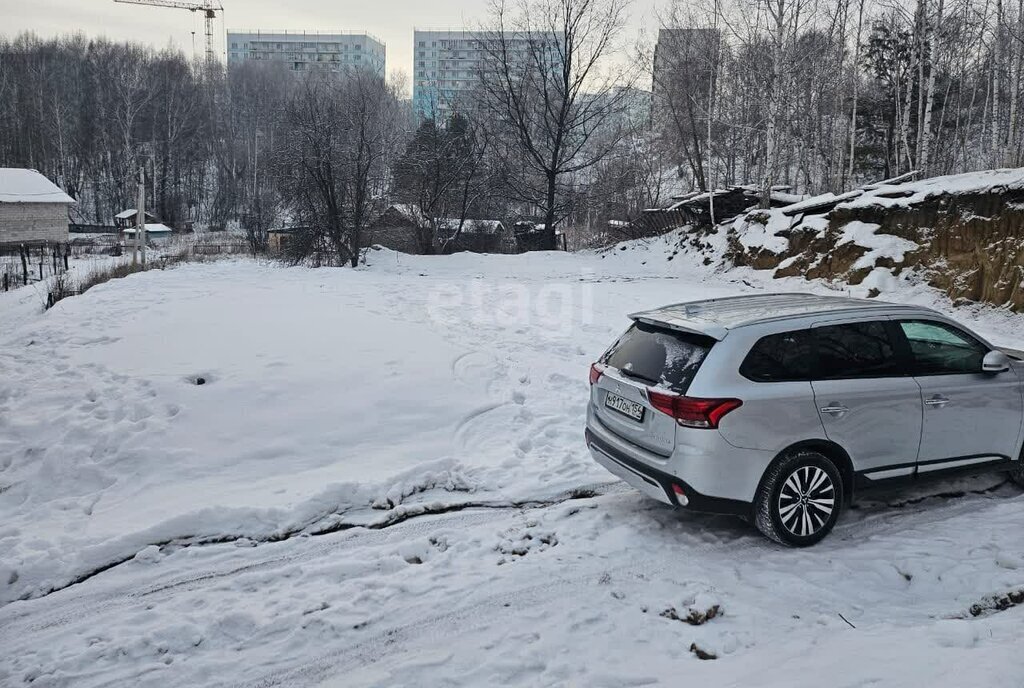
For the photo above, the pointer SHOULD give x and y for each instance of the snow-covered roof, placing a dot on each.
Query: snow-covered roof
(410, 211)
(130, 213)
(151, 228)
(470, 226)
(19, 185)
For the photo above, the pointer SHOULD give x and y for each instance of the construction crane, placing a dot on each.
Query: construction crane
(209, 8)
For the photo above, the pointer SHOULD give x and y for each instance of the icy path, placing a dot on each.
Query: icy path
(382, 481)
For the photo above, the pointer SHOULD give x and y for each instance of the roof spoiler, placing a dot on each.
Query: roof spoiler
(679, 325)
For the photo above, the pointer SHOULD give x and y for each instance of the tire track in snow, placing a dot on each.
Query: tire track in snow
(412, 518)
(880, 517)
(491, 609)
(466, 619)
(382, 641)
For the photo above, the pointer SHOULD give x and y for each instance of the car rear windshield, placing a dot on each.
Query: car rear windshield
(659, 356)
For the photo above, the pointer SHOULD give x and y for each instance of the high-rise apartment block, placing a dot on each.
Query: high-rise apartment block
(302, 50)
(447, 65)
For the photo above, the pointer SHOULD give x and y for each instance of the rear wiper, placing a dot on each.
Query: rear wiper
(638, 376)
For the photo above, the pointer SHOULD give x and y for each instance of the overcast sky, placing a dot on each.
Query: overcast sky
(390, 20)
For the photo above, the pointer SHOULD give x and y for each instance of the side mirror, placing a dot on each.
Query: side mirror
(995, 362)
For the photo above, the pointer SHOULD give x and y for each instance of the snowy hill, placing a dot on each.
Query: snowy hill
(963, 234)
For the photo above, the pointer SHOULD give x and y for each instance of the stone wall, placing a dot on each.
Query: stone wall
(33, 222)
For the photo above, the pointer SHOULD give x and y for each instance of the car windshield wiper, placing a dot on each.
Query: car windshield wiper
(638, 376)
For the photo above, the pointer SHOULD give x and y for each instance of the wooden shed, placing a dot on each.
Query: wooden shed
(126, 218)
(279, 239)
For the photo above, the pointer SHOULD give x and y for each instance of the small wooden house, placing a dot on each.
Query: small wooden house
(279, 238)
(126, 218)
(396, 228)
(33, 210)
(401, 227)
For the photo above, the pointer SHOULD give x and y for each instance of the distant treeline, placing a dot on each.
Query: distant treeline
(817, 95)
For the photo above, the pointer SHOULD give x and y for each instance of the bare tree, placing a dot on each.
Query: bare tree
(547, 83)
(342, 129)
(683, 67)
(444, 172)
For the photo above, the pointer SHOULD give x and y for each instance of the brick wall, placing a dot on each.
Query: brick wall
(24, 222)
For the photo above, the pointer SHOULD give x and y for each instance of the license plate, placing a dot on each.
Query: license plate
(625, 407)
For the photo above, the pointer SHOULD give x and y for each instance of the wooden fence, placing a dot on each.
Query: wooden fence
(25, 263)
(79, 228)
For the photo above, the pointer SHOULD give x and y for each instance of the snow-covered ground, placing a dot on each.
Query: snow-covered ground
(382, 481)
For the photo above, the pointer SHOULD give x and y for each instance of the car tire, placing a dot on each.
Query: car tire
(799, 499)
(1017, 472)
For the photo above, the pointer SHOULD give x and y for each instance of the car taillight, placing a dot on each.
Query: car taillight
(596, 371)
(692, 412)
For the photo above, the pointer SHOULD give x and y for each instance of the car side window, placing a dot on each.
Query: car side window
(857, 350)
(784, 357)
(941, 349)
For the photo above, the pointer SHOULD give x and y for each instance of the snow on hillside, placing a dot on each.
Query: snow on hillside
(767, 229)
(236, 473)
(911, 193)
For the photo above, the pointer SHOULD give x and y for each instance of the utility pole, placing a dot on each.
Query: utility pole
(138, 228)
(140, 219)
(712, 78)
(255, 162)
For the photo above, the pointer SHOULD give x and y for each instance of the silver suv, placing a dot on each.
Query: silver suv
(777, 407)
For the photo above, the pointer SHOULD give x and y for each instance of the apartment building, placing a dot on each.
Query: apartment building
(685, 56)
(302, 50)
(447, 66)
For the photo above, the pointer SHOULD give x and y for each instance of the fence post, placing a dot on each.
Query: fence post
(67, 251)
(24, 264)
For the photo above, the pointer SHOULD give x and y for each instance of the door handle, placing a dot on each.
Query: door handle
(835, 410)
(938, 401)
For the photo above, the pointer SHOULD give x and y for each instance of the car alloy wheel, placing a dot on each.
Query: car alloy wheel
(806, 501)
(799, 499)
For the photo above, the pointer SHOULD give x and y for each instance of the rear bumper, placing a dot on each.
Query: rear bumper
(658, 484)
